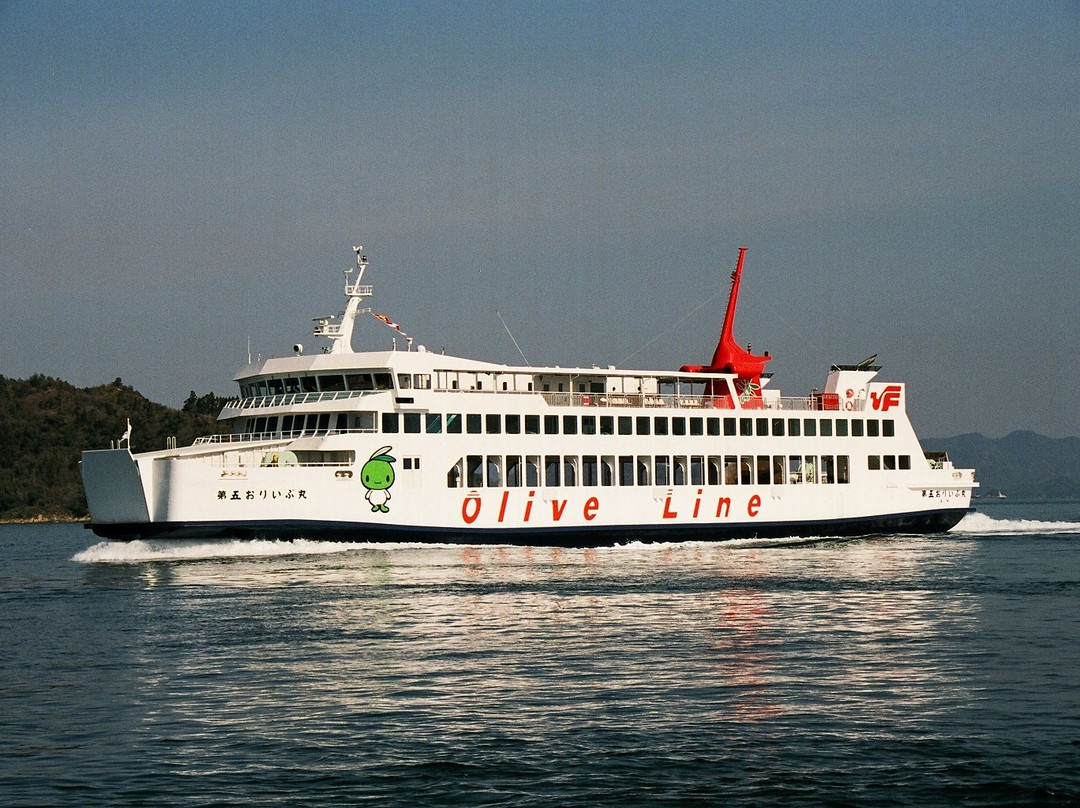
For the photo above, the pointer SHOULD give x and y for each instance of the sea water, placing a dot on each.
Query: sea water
(896, 670)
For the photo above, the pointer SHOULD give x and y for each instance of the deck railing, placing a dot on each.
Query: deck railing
(255, 437)
(291, 399)
(816, 401)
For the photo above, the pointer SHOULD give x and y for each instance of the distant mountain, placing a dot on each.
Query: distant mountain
(1022, 465)
(45, 424)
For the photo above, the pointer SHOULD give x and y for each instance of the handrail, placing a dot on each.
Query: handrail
(291, 399)
(555, 399)
(257, 437)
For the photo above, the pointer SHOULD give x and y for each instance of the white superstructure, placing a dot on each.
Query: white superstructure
(414, 445)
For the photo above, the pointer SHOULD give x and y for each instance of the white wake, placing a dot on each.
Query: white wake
(980, 523)
(130, 552)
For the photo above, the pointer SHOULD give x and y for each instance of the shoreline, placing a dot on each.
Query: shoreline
(41, 519)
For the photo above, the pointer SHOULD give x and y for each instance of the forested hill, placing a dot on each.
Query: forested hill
(46, 423)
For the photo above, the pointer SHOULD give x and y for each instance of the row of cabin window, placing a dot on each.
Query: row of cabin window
(335, 383)
(495, 424)
(311, 423)
(513, 471)
(888, 462)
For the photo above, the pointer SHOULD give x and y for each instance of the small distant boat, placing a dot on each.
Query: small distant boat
(410, 445)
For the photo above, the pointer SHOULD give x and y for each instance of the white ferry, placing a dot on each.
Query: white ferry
(412, 445)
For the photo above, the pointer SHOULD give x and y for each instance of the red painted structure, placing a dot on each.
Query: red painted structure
(729, 356)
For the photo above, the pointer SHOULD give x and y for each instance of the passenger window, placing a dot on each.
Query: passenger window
(474, 465)
(551, 471)
(453, 476)
(513, 471)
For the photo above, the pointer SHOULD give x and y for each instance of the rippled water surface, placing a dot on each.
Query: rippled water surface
(913, 671)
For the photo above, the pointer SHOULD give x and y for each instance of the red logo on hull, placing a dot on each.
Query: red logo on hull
(884, 399)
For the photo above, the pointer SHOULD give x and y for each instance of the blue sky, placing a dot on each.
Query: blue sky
(180, 177)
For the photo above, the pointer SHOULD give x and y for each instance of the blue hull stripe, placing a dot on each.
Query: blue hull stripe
(921, 522)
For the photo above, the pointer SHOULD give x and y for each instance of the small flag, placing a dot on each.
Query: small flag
(387, 321)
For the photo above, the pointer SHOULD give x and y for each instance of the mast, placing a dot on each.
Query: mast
(340, 334)
(729, 356)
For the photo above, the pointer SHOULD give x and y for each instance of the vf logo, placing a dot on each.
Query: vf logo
(884, 399)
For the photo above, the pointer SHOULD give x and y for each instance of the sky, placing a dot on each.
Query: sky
(178, 180)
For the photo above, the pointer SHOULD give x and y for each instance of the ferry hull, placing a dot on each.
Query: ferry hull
(938, 521)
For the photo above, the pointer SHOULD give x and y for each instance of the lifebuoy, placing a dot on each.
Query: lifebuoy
(849, 405)
(850, 393)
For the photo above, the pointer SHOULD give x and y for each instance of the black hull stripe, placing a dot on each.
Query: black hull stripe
(922, 522)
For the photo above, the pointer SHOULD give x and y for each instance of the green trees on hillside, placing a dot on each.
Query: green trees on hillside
(46, 423)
